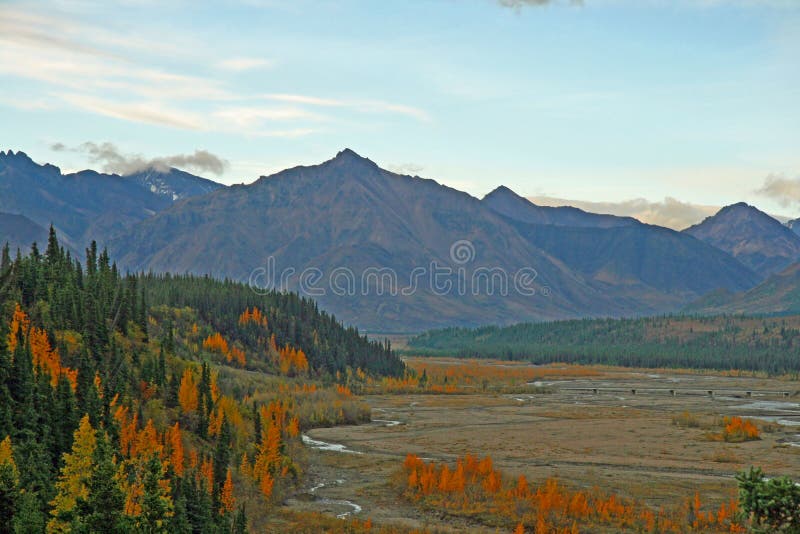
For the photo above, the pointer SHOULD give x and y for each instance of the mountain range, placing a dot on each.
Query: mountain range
(374, 247)
(88, 205)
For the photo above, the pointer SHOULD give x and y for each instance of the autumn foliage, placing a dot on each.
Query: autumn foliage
(174, 443)
(449, 375)
(738, 429)
(253, 317)
(473, 487)
(72, 484)
(187, 392)
(291, 361)
(272, 461)
(45, 358)
(227, 500)
(217, 343)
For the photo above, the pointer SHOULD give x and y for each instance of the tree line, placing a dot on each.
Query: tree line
(767, 344)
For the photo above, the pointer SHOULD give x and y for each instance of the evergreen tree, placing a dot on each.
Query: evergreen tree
(198, 507)
(65, 417)
(239, 525)
(9, 480)
(21, 386)
(157, 505)
(5, 258)
(29, 518)
(222, 457)
(103, 508)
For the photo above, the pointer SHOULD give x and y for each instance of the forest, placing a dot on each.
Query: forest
(160, 404)
(761, 344)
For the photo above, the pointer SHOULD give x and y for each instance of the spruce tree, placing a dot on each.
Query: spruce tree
(9, 480)
(29, 518)
(157, 505)
(103, 509)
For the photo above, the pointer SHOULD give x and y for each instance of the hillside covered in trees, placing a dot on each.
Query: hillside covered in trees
(765, 344)
(143, 403)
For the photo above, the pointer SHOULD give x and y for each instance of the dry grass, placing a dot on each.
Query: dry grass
(647, 447)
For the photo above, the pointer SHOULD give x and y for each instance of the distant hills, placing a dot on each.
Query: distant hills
(366, 242)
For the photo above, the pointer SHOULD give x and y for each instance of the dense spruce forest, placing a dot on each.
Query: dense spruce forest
(768, 344)
(148, 403)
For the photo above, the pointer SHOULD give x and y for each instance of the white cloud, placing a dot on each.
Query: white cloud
(781, 188)
(112, 159)
(411, 169)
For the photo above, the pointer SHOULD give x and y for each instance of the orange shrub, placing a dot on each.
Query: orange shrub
(474, 485)
(738, 429)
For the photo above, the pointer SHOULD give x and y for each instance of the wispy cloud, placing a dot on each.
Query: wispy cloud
(241, 64)
(782, 189)
(112, 159)
(139, 111)
(364, 106)
(93, 69)
(249, 117)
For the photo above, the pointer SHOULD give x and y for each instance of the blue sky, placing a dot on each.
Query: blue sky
(599, 101)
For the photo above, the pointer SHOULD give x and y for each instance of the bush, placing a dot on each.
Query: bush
(771, 504)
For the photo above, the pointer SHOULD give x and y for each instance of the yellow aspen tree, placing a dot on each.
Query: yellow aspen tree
(187, 393)
(77, 470)
(7, 457)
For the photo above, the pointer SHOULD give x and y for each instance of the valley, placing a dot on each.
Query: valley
(632, 445)
(443, 267)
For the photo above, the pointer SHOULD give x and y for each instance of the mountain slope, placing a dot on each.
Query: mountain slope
(778, 294)
(19, 232)
(505, 202)
(649, 265)
(86, 205)
(346, 223)
(751, 236)
(349, 214)
(173, 184)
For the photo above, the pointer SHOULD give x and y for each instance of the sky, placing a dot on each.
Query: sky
(671, 108)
